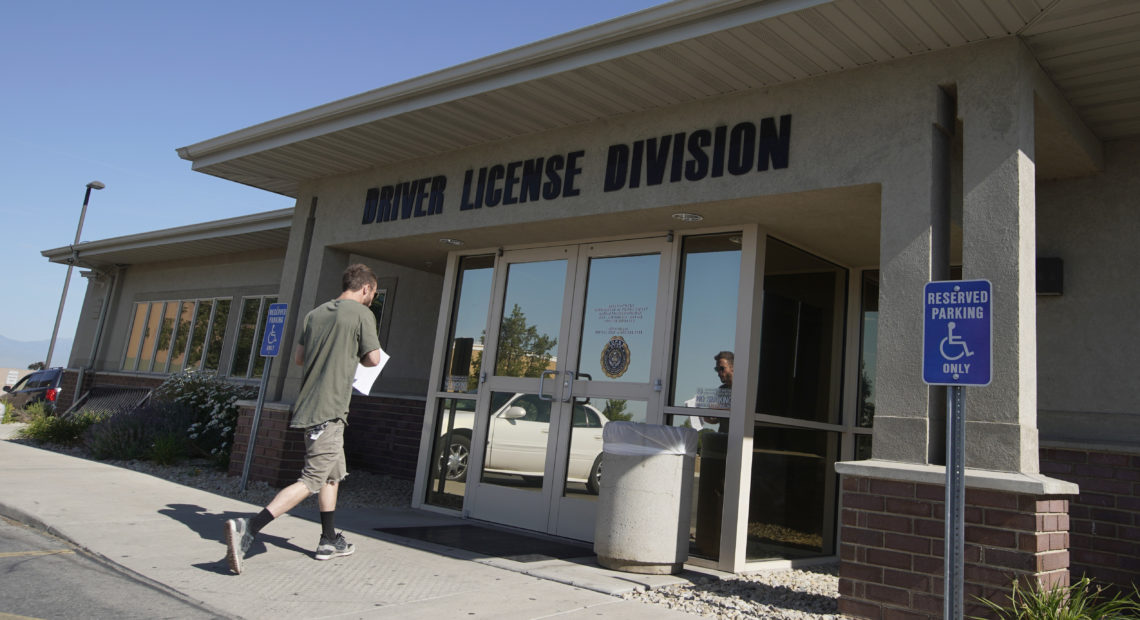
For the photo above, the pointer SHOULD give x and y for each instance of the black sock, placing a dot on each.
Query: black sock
(327, 529)
(261, 520)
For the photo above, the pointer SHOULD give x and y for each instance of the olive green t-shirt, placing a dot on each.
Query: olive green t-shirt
(335, 336)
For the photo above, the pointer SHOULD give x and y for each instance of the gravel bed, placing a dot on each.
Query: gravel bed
(790, 594)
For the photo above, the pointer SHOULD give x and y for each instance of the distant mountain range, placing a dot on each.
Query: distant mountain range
(18, 354)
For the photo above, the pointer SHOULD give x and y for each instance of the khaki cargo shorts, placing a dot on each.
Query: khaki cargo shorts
(324, 457)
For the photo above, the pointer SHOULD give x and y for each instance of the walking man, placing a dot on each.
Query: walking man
(336, 335)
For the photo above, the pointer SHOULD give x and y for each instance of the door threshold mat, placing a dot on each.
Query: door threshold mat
(494, 543)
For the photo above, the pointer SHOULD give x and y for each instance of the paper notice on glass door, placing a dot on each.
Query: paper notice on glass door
(366, 375)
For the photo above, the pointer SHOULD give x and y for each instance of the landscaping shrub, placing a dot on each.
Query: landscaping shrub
(212, 401)
(167, 449)
(62, 430)
(29, 413)
(1081, 601)
(144, 433)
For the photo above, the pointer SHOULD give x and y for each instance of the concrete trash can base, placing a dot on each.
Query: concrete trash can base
(645, 499)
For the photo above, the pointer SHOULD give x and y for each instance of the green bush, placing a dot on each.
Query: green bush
(167, 449)
(134, 435)
(27, 414)
(62, 430)
(1080, 601)
(212, 401)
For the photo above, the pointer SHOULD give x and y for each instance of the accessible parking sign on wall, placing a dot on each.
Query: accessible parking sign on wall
(957, 333)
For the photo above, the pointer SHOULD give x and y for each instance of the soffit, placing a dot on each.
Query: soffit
(678, 53)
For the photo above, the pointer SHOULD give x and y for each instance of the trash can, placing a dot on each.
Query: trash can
(645, 499)
(710, 493)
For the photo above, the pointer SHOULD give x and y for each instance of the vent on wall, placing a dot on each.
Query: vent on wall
(1050, 276)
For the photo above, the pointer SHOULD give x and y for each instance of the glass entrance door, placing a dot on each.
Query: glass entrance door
(571, 348)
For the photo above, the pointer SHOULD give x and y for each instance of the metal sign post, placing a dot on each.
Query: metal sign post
(957, 351)
(270, 347)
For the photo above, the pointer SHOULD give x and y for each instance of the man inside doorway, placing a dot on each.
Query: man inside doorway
(724, 364)
(335, 337)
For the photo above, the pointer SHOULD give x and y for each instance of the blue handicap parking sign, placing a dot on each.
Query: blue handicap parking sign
(957, 333)
(274, 330)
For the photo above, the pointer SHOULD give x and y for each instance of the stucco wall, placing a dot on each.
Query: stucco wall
(231, 275)
(873, 126)
(1088, 385)
(408, 331)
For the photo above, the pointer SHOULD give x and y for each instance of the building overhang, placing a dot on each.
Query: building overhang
(260, 231)
(674, 54)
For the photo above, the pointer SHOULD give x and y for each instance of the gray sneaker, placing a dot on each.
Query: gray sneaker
(238, 540)
(329, 549)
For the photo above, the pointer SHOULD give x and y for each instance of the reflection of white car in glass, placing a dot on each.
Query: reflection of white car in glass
(516, 440)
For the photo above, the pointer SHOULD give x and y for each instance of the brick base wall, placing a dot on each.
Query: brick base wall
(279, 451)
(1105, 517)
(69, 390)
(383, 436)
(892, 548)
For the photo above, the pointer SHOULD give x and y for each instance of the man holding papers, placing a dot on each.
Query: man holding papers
(337, 337)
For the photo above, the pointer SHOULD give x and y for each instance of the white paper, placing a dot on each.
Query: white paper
(366, 375)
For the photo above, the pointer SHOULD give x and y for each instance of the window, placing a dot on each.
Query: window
(455, 416)
(134, 340)
(469, 319)
(176, 335)
(181, 336)
(377, 307)
(706, 321)
(868, 361)
(246, 360)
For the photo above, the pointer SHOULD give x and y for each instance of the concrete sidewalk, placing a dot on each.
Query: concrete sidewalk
(170, 535)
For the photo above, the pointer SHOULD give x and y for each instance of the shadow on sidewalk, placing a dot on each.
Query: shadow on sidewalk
(210, 526)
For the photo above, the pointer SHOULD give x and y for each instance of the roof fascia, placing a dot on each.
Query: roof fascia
(622, 36)
(257, 222)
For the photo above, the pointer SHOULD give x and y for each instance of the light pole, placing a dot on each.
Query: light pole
(70, 264)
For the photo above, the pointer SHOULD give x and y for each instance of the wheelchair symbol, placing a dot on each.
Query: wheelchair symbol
(954, 341)
(271, 338)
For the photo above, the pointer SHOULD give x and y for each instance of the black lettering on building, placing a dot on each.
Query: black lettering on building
(741, 148)
(700, 154)
(656, 159)
(552, 188)
(494, 194)
(774, 145)
(510, 181)
(573, 169)
(531, 187)
(617, 167)
(418, 198)
(698, 166)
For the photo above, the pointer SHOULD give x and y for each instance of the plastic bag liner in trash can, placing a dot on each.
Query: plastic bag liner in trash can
(642, 524)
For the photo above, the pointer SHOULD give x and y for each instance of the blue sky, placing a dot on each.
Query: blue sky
(108, 90)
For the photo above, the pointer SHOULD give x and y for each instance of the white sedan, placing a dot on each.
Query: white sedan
(517, 440)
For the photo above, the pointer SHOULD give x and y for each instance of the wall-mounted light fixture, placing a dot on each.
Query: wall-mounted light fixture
(688, 218)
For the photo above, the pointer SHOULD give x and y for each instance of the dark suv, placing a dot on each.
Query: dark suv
(40, 386)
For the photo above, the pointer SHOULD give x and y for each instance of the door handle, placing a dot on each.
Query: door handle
(541, 379)
(568, 386)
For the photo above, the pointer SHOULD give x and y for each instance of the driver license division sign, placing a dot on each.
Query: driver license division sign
(957, 333)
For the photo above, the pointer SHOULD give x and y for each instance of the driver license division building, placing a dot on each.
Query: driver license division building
(573, 232)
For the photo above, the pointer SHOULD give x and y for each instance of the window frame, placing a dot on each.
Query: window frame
(264, 301)
(193, 327)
